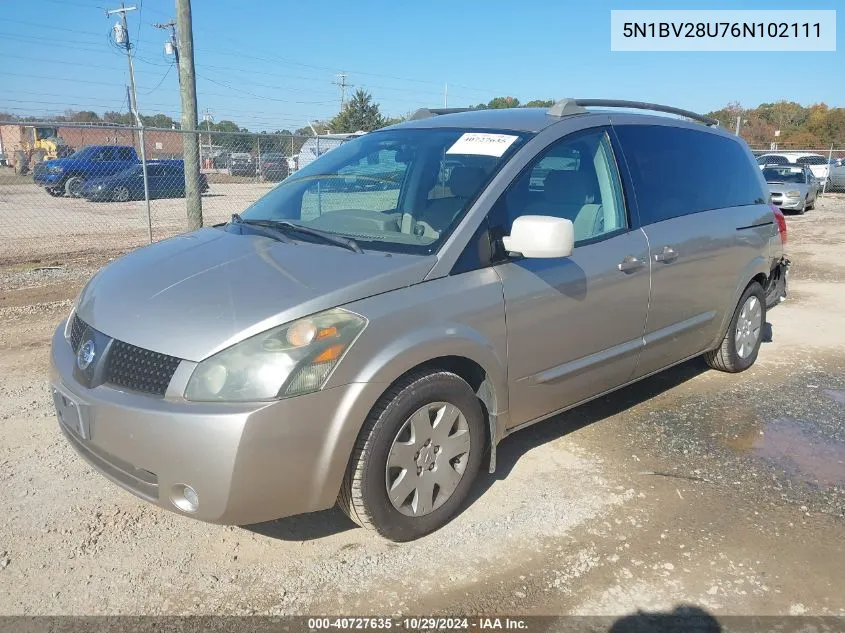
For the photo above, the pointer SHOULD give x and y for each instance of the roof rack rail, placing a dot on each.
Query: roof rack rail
(565, 107)
(427, 113)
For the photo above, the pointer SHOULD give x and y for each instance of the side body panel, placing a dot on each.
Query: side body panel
(692, 292)
(459, 315)
(574, 324)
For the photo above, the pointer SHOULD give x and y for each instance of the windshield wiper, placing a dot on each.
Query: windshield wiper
(324, 236)
(262, 229)
(290, 227)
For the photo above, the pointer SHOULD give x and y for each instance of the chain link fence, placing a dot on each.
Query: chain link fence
(100, 198)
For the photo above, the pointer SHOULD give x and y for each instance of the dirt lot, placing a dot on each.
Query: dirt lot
(726, 492)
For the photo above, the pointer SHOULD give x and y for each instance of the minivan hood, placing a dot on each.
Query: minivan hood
(195, 294)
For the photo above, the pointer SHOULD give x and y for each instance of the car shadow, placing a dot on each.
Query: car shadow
(304, 527)
(513, 447)
(682, 619)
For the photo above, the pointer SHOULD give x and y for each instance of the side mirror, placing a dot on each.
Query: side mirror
(541, 236)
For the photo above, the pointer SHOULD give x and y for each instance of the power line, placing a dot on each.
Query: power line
(158, 85)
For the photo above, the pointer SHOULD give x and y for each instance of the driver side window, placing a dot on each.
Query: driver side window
(576, 179)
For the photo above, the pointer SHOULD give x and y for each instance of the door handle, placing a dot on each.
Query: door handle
(630, 264)
(668, 255)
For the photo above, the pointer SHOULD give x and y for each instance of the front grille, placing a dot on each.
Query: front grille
(139, 369)
(77, 329)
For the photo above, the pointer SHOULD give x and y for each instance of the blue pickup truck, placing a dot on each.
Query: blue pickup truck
(66, 176)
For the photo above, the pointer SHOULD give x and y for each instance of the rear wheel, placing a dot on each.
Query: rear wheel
(741, 344)
(416, 457)
(73, 186)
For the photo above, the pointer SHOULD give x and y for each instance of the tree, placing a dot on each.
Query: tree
(360, 113)
(500, 103)
(540, 103)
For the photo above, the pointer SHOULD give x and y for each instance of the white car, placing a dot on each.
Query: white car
(817, 163)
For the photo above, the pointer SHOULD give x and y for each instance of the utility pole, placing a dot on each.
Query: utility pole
(341, 81)
(188, 92)
(208, 118)
(121, 38)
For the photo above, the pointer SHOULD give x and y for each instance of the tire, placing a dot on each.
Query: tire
(727, 357)
(364, 494)
(73, 186)
(56, 192)
(813, 205)
(120, 194)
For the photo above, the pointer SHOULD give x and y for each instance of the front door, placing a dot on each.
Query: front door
(574, 324)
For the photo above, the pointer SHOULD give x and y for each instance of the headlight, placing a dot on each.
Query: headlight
(69, 322)
(288, 360)
(793, 194)
(55, 169)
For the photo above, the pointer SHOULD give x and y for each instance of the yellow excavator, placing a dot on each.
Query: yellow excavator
(37, 144)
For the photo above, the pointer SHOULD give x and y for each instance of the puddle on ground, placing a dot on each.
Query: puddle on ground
(784, 442)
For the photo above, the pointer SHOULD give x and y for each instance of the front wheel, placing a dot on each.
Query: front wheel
(416, 457)
(73, 186)
(741, 344)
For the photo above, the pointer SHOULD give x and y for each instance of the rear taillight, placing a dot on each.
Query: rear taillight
(781, 222)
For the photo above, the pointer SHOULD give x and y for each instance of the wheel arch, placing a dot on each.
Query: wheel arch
(758, 269)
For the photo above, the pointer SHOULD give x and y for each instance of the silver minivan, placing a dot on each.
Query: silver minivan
(367, 332)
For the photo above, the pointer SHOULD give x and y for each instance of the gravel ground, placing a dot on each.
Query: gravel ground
(692, 487)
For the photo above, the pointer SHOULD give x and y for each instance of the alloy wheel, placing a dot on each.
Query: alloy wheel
(748, 327)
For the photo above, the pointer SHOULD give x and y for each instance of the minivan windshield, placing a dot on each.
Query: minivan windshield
(400, 190)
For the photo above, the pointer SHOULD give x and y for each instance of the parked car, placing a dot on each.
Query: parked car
(316, 146)
(165, 179)
(274, 166)
(66, 176)
(371, 348)
(241, 164)
(792, 187)
(817, 163)
(836, 181)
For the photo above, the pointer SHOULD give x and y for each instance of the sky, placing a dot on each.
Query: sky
(271, 64)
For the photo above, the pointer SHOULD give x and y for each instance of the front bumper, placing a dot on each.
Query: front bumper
(45, 179)
(789, 204)
(247, 462)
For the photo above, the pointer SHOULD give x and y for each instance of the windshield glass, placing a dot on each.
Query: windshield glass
(85, 152)
(812, 160)
(783, 174)
(400, 190)
(773, 159)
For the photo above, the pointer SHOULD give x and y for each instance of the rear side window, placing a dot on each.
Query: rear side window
(811, 160)
(678, 171)
(125, 153)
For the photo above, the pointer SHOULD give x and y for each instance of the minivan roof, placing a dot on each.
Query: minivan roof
(536, 119)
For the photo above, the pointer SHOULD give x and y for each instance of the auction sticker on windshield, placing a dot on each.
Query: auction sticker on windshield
(482, 144)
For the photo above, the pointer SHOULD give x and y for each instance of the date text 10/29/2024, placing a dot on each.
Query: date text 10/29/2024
(418, 623)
